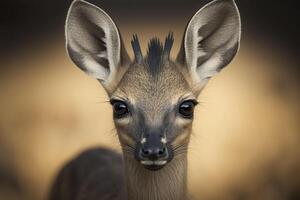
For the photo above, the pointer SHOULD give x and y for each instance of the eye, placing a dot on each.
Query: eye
(186, 109)
(120, 108)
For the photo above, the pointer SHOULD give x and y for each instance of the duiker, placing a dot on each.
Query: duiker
(153, 100)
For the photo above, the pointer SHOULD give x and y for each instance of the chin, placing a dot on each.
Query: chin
(153, 167)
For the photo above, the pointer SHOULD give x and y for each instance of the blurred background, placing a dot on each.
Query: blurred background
(246, 140)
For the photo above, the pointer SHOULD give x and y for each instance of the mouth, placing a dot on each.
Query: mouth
(153, 155)
(153, 165)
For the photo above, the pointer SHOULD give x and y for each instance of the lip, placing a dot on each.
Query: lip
(153, 165)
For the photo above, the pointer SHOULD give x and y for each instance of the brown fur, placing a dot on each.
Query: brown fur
(151, 90)
(153, 95)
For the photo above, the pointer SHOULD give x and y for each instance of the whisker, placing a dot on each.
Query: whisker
(113, 132)
(181, 151)
(128, 148)
(100, 102)
(127, 151)
(179, 146)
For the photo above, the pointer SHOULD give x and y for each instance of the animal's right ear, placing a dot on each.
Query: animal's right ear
(94, 43)
(211, 41)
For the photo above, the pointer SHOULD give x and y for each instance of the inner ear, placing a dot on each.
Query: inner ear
(211, 40)
(94, 43)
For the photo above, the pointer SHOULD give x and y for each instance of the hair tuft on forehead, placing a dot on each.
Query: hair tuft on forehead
(157, 53)
(137, 49)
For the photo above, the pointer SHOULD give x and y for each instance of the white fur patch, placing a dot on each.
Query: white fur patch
(94, 69)
(157, 162)
(143, 141)
(160, 162)
(209, 69)
(147, 162)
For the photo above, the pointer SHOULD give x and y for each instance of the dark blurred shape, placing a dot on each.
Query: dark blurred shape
(94, 173)
(9, 186)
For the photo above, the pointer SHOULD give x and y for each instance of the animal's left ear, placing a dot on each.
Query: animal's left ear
(211, 40)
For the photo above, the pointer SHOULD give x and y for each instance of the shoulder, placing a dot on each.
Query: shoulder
(93, 174)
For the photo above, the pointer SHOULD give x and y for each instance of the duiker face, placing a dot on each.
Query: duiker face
(153, 105)
(153, 97)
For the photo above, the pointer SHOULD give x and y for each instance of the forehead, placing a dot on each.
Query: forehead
(145, 87)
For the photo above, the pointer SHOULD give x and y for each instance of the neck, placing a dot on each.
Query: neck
(169, 183)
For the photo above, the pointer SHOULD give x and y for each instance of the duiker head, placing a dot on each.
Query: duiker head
(153, 97)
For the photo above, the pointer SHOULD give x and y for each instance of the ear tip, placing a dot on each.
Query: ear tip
(80, 1)
(76, 3)
(231, 2)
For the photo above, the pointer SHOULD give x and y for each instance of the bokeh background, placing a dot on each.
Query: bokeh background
(246, 141)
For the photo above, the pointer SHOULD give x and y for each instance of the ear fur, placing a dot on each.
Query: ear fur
(211, 40)
(93, 42)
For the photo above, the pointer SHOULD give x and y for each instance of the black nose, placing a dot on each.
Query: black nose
(153, 152)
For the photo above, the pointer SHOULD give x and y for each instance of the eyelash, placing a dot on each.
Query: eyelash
(194, 101)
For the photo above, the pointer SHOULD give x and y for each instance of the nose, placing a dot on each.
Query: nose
(153, 152)
(153, 147)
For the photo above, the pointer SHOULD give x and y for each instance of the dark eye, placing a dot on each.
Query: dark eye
(186, 109)
(120, 109)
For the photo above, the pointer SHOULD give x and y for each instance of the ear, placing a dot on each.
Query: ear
(211, 40)
(94, 43)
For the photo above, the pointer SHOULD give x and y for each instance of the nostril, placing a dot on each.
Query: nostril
(146, 152)
(161, 152)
